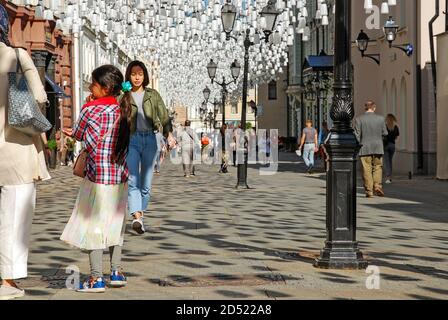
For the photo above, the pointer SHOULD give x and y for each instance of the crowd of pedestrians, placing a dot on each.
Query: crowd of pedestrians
(377, 136)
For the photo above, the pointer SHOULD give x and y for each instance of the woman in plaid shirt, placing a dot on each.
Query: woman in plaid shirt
(98, 219)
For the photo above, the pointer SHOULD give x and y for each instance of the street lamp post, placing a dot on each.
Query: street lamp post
(341, 248)
(235, 70)
(228, 14)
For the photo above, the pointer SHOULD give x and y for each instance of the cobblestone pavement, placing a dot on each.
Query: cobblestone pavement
(207, 240)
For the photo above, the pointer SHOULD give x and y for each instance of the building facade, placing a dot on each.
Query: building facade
(401, 85)
(305, 86)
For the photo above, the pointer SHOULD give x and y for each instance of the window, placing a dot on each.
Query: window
(235, 107)
(272, 90)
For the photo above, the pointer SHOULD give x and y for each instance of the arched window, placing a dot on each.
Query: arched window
(394, 97)
(385, 106)
(402, 120)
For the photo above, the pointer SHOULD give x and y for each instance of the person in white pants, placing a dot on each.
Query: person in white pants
(22, 163)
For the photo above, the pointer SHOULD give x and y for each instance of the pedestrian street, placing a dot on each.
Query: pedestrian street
(207, 240)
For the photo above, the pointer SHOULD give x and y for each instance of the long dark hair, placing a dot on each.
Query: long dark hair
(110, 78)
(126, 108)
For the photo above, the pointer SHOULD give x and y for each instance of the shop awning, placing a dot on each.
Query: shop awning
(322, 62)
(55, 88)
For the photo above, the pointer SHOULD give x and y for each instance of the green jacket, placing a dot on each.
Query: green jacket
(154, 109)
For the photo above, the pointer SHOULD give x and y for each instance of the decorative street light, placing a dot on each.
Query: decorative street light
(390, 31)
(269, 16)
(362, 42)
(341, 248)
(235, 68)
(211, 69)
(206, 93)
(214, 111)
(228, 17)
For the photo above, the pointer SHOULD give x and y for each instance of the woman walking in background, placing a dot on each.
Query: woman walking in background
(147, 113)
(98, 219)
(390, 141)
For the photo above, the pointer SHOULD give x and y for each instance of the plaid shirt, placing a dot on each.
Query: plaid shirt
(96, 119)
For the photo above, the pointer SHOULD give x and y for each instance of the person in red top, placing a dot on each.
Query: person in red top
(98, 219)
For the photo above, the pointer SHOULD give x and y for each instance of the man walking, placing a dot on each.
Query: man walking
(370, 129)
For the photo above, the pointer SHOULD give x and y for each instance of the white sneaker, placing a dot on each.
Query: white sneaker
(388, 181)
(138, 226)
(8, 293)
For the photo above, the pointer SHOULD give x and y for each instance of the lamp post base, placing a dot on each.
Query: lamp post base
(242, 177)
(341, 255)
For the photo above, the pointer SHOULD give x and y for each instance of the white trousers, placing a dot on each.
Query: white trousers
(17, 205)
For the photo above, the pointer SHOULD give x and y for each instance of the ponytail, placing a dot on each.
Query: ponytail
(124, 130)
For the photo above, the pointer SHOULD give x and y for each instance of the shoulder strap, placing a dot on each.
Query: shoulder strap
(18, 64)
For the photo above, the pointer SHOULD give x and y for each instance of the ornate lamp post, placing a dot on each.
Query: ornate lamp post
(235, 68)
(269, 14)
(341, 248)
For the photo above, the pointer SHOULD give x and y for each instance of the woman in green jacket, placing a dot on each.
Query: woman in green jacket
(148, 112)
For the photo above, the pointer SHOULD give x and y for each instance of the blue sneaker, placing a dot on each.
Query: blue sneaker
(92, 286)
(117, 279)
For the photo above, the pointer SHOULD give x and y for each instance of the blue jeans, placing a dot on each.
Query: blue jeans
(140, 159)
(308, 154)
(389, 151)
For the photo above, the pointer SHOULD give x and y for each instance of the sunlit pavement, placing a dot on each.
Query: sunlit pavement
(207, 240)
